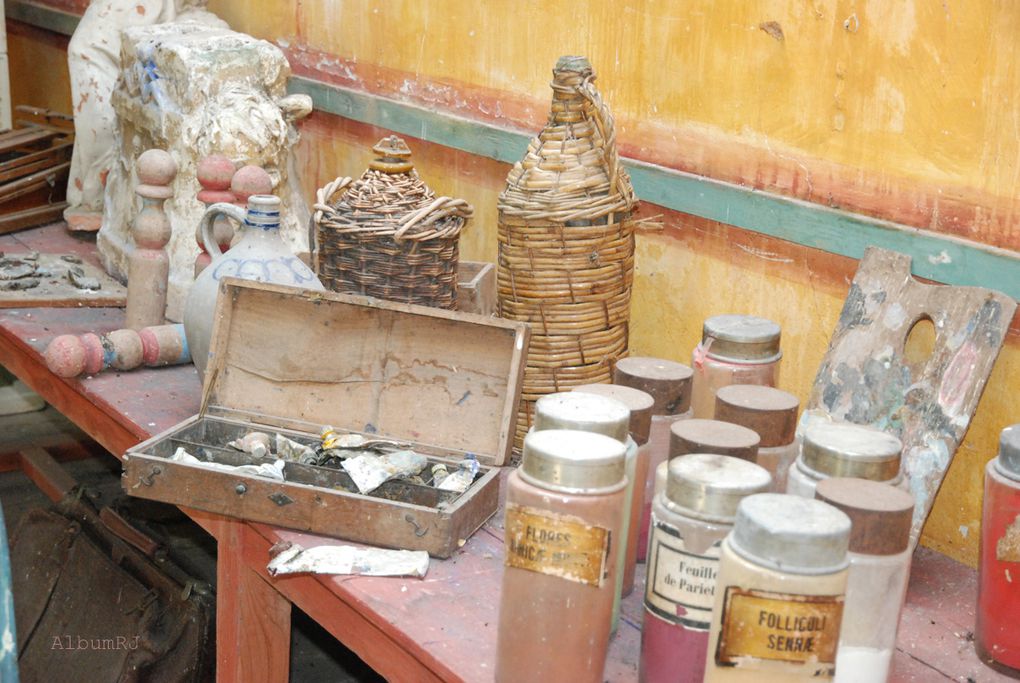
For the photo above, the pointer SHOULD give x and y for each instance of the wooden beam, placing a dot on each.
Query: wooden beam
(46, 473)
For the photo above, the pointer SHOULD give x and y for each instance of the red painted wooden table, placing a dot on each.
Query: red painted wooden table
(440, 628)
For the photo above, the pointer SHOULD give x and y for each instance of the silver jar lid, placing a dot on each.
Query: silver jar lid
(584, 412)
(791, 534)
(745, 338)
(1008, 462)
(843, 449)
(573, 461)
(712, 486)
(638, 402)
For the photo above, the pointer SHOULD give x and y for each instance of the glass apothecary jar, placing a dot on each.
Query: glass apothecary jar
(689, 522)
(734, 349)
(876, 587)
(779, 594)
(564, 513)
(669, 385)
(997, 635)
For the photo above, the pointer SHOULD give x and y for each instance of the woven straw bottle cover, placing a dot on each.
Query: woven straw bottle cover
(566, 242)
(387, 235)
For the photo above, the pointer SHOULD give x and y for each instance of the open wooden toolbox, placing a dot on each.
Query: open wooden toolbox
(291, 361)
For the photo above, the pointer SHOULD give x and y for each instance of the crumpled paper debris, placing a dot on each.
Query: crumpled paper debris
(272, 470)
(369, 472)
(290, 558)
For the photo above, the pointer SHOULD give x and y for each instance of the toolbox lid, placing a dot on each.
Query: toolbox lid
(439, 378)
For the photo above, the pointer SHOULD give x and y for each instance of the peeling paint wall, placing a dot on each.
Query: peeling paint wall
(907, 111)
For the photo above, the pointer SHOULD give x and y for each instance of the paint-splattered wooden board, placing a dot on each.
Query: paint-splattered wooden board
(866, 378)
(54, 288)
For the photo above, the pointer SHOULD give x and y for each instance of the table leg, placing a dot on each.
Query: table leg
(252, 618)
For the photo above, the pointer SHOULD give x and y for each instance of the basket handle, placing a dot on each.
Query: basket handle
(324, 194)
(206, 225)
(439, 208)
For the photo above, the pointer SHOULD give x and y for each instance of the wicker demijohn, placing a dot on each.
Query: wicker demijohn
(387, 235)
(566, 243)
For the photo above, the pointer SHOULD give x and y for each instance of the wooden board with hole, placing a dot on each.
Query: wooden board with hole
(54, 288)
(927, 400)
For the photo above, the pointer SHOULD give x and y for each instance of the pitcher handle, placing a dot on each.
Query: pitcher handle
(206, 224)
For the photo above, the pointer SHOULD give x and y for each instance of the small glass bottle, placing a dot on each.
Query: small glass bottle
(601, 415)
(842, 449)
(707, 436)
(734, 349)
(564, 508)
(689, 522)
(876, 586)
(772, 414)
(779, 593)
(669, 385)
(997, 635)
(640, 405)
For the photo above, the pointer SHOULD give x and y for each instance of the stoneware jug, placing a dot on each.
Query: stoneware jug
(260, 254)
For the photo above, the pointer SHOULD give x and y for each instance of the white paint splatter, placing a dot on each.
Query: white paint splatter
(941, 258)
(894, 317)
(964, 530)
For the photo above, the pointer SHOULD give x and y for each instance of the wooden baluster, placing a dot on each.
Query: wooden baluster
(214, 175)
(148, 263)
(69, 355)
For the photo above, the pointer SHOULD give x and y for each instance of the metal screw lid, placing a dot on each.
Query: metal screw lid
(573, 461)
(881, 514)
(1008, 462)
(843, 449)
(770, 412)
(791, 534)
(712, 436)
(712, 486)
(741, 338)
(585, 412)
(638, 402)
(667, 382)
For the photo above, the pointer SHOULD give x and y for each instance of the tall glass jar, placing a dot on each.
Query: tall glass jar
(997, 636)
(771, 413)
(564, 508)
(707, 436)
(640, 405)
(876, 587)
(669, 385)
(734, 349)
(780, 590)
(842, 449)
(601, 415)
(689, 522)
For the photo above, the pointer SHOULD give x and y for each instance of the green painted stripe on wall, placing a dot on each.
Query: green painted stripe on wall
(938, 257)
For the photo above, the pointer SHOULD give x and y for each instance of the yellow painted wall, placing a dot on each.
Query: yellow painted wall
(904, 110)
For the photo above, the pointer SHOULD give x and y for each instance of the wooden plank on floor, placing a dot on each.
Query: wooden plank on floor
(46, 473)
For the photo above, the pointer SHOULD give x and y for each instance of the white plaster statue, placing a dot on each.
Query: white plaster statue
(93, 59)
(195, 90)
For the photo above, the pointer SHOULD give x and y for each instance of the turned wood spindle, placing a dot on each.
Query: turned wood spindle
(69, 355)
(214, 175)
(148, 263)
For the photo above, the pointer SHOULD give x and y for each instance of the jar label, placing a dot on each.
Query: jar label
(762, 625)
(559, 545)
(681, 584)
(1007, 549)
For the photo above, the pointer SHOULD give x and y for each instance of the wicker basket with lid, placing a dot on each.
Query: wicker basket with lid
(566, 242)
(387, 235)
